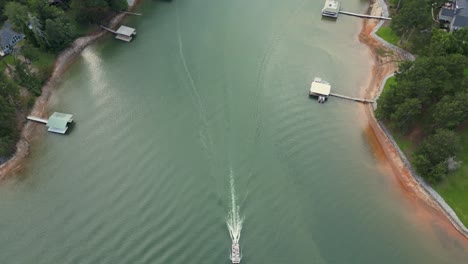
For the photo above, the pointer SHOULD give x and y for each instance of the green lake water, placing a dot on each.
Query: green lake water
(209, 92)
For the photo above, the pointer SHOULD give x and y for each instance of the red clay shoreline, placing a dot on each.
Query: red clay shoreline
(40, 108)
(383, 67)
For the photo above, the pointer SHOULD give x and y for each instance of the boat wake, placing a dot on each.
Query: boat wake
(234, 223)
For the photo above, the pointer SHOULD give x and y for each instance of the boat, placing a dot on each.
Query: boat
(331, 8)
(235, 253)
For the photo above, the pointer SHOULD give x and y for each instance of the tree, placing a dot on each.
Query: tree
(434, 152)
(18, 15)
(118, 5)
(406, 114)
(414, 15)
(60, 33)
(451, 111)
(2, 7)
(90, 11)
(43, 10)
(8, 94)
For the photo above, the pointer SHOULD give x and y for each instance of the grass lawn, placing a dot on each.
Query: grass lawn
(390, 81)
(404, 143)
(44, 59)
(455, 188)
(8, 59)
(388, 35)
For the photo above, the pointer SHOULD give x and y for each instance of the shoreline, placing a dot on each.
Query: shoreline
(40, 108)
(383, 68)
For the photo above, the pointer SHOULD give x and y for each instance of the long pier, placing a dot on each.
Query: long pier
(37, 119)
(131, 13)
(361, 100)
(364, 16)
(108, 29)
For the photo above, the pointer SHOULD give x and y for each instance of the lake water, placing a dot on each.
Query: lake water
(209, 92)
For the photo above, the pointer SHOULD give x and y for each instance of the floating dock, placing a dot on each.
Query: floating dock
(332, 8)
(57, 122)
(322, 90)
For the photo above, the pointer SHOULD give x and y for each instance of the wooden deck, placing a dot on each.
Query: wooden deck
(361, 100)
(364, 16)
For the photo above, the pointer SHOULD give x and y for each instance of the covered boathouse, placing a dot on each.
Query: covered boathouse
(320, 88)
(125, 33)
(331, 8)
(58, 122)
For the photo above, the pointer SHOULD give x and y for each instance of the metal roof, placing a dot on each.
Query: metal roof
(462, 6)
(447, 12)
(460, 21)
(126, 31)
(59, 120)
(8, 36)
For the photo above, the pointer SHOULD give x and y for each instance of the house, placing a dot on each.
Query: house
(454, 15)
(8, 38)
(125, 33)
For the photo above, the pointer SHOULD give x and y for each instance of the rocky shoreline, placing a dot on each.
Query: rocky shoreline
(383, 69)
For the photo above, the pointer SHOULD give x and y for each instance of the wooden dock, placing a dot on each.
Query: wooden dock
(364, 16)
(123, 33)
(360, 100)
(37, 119)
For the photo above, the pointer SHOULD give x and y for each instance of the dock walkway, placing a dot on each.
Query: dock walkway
(363, 16)
(361, 100)
(37, 119)
(109, 29)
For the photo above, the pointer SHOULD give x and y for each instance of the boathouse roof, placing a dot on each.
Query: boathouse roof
(58, 122)
(126, 31)
(331, 5)
(319, 87)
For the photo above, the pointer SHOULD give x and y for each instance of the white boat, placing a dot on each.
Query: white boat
(331, 8)
(235, 253)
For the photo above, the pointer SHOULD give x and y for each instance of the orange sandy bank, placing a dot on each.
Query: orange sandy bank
(385, 65)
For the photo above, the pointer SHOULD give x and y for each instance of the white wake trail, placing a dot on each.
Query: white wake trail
(234, 220)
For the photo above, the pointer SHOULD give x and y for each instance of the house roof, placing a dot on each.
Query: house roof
(447, 12)
(460, 21)
(7, 34)
(462, 6)
(59, 120)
